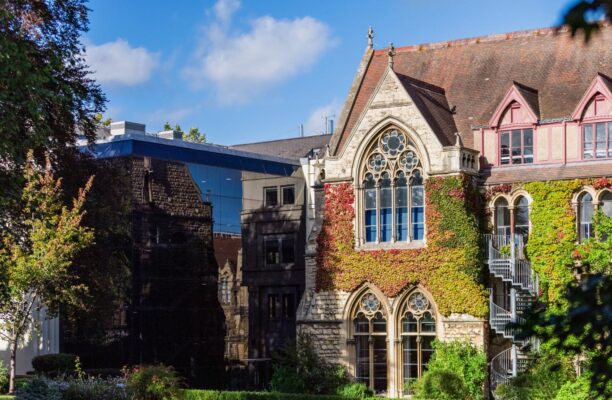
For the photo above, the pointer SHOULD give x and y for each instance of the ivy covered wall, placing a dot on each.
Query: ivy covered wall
(449, 267)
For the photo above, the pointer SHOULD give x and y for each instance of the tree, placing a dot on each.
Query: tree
(581, 323)
(46, 92)
(194, 135)
(584, 16)
(36, 255)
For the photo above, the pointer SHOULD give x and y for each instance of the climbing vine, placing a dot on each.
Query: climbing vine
(449, 267)
(553, 234)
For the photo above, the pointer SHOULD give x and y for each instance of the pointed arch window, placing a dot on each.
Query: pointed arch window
(502, 217)
(606, 203)
(521, 218)
(369, 324)
(417, 331)
(585, 216)
(393, 195)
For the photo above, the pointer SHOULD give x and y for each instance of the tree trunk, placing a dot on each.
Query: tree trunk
(13, 366)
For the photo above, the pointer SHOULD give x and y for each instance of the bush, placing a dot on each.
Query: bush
(577, 390)
(299, 369)
(542, 380)
(4, 379)
(355, 391)
(95, 389)
(217, 395)
(456, 370)
(39, 389)
(154, 382)
(52, 365)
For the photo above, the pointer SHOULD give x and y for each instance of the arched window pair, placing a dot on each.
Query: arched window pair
(586, 210)
(512, 220)
(393, 194)
(416, 329)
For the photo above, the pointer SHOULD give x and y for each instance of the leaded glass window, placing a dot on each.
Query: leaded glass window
(393, 194)
(417, 331)
(370, 336)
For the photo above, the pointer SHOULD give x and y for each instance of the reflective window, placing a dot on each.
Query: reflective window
(521, 218)
(271, 196)
(516, 147)
(597, 140)
(370, 336)
(502, 217)
(393, 195)
(417, 331)
(288, 194)
(585, 217)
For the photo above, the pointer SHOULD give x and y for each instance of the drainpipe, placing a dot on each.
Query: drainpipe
(514, 360)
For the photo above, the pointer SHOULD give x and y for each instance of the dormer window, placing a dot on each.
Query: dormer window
(516, 146)
(392, 191)
(597, 140)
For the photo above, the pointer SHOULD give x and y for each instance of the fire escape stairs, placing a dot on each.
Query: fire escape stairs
(505, 258)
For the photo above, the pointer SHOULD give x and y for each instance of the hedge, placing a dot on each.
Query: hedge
(217, 395)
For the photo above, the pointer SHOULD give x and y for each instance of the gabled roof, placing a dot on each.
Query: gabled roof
(521, 94)
(601, 84)
(292, 149)
(476, 73)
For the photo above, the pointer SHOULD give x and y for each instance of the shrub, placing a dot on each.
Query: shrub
(154, 382)
(355, 391)
(542, 380)
(456, 369)
(217, 395)
(95, 389)
(442, 385)
(577, 390)
(54, 364)
(39, 389)
(299, 369)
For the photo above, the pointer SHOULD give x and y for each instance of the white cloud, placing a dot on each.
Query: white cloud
(224, 9)
(120, 64)
(316, 122)
(243, 65)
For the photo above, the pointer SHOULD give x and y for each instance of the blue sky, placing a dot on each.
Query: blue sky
(253, 70)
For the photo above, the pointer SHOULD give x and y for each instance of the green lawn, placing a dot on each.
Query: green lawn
(6, 397)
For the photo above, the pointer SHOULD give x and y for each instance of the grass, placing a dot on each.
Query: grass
(6, 397)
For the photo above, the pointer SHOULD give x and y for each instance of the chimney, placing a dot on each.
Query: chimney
(126, 128)
(171, 134)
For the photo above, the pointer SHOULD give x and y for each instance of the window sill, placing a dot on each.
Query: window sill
(371, 246)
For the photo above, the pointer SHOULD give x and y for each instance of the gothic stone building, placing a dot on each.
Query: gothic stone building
(433, 182)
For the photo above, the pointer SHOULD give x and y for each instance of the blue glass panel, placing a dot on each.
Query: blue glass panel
(417, 215)
(370, 225)
(401, 223)
(418, 230)
(385, 224)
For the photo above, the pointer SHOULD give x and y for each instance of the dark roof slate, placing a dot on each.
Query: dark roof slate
(293, 148)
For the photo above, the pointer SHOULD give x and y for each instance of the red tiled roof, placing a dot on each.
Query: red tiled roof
(476, 73)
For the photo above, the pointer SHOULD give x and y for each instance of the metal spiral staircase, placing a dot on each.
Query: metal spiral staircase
(505, 259)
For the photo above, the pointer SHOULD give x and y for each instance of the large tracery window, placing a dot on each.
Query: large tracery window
(370, 335)
(418, 331)
(393, 195)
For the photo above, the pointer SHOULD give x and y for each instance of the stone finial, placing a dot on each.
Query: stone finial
(370, 37)
(458, 140)
(391, 54)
